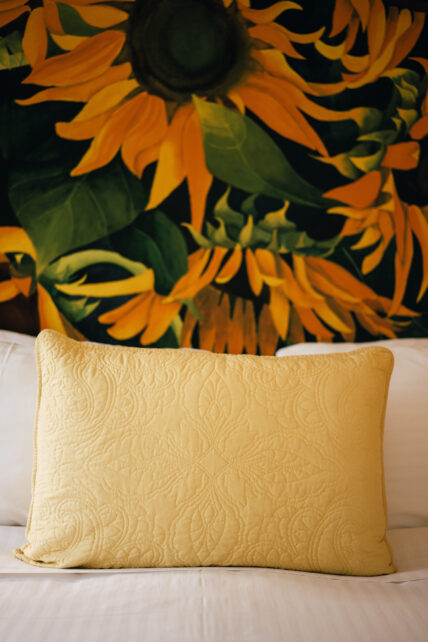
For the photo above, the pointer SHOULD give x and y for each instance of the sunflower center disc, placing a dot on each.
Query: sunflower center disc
(180, 47)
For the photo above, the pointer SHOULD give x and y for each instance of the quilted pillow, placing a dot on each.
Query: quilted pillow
(150, 458)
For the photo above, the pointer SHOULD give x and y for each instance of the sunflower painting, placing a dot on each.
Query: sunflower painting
(232, 175)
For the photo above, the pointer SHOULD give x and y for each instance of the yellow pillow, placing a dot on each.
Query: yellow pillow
(149, 458)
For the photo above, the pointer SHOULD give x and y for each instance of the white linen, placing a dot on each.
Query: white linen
(406, 426)
(215, 604)
(18, 392)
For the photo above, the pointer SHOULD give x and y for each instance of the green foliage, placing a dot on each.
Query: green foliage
(156, 241)
(241, 154)
(11, 54)
(60, 213)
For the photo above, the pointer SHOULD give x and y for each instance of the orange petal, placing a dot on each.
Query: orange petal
(207, 302)
(16, 240)
(314, 325)
(262, 16)
(231, 266)
(359, 194)
(23, 284)
(402, 269)
(105, 99)
(187, 329)
(82, 130)
(328, 315)
(341, 277)
(327, 287)
(72, 68)
(35, 40)
(341, 16)
(277, 114)
(254, 276)
(420, 128)
(161, 316)
(142, 145)
(7, 5)
(249, 328)
(419, 225)
(362, 7)
(197, 263)
(67, 43)
(49, 316)
(300, 271)
(275, 63)
(170, 170)
(117, 313)
(376, 29)
(408, 39)
(296, 333)
(82, 92)
(291, 287)
(402, 156)
(102, 15)
(199, 179)
(107, 142)
(9, 16)
(280, 311)
(235, 342)
(222, 324)
(273, 35)
(191, 283)
(51, 15)
(268, 336)
(8, 290)
(134, 319)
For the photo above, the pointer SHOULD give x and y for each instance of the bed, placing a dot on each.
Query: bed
(216, 604)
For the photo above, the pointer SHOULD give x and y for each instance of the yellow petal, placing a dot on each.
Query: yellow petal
(231, 266)
(72, 68)
(254, 276)
(249, 328)
(83, 91)
(299, 266)
(102, 15)
(262, 16)
(329, 316)
(106, 98)
(117, 313)
(235, 341)
(170, 170)
(133, 285)
(135, 319)
(8, 290)
(161, 316)
(280, 311)
(267, 266)
(15, 239)
(67, 43)
(9, 16)
(49, 315)
(199, 179)
(268, 336)
(35, 40)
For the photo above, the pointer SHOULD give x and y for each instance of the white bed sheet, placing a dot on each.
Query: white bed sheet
(214, 604)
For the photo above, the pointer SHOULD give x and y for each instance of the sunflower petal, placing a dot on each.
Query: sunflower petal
(199, 179)
(102, 15)
(402, 156)
(249, 328)
(342, 14)
(161, 316)
(262, 16)
(268, 336)
(49, 315)
(82, 130)
(231, 266)
(142, 145)
(273, 35)
(9, 16)
(222, 324)
(170, 171)
(117, 313)
(359, 194)
(35, 40)
(105, 99)
(8, 290)
(72, 68)
(419, 225)
(235, 341)
(108, 141)
(15, 239)
(134, 319)
(189, 281)
(124, 287)
(187, 329)
(207, 302)
(254, 276)
(314, 325)
(83, 91)
(280, 311)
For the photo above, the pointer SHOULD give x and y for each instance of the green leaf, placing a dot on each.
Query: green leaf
(62, 270)
(61, 213)
(76, 309)
(72, 22)
(241, 154)
(11, 53)
(158, 243)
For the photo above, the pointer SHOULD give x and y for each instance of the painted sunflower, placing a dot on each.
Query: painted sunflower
(138, 88)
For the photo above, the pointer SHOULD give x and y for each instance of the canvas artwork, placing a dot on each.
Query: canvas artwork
(231, 175)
